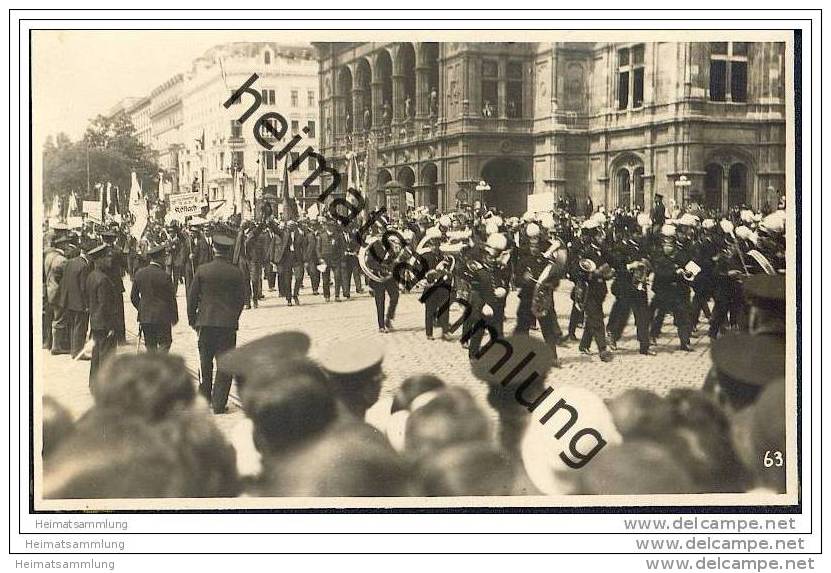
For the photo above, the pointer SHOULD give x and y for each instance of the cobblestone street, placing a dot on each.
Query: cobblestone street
(407, 349)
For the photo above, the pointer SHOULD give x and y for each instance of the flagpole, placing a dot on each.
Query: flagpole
(88, 180)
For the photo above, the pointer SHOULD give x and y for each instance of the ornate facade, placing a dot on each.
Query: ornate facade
(615, 122)
(217, 147)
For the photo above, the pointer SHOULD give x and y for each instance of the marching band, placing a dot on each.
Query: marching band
(655, 264)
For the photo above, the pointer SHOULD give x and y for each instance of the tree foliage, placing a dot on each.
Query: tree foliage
(113, 151)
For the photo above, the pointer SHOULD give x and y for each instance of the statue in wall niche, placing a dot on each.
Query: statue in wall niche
(434, 102)
(367, 119)
(348, 122)
(387, 115)
(408, 108)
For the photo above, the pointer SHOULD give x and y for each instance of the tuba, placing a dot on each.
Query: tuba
(373, 269)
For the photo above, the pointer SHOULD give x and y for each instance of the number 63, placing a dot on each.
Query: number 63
(774, 458)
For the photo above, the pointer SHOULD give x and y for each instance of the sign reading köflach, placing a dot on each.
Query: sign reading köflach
(184, 205)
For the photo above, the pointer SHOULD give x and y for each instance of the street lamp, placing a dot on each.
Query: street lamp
(683, 186)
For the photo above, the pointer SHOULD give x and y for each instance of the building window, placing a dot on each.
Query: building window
(272, 131)
(236, 129)
(630, 75)
(310, 95)
(294, 97)
(295, 156)
(728, 71)
(490, 88)
(269, 160)
(312, 163)
(298, 191)
(514, 90)
(295, 126)
(267, 57)
(269, 97)
(311, 126)
(238, 160)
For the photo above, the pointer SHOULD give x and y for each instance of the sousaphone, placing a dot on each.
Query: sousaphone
(381, 274)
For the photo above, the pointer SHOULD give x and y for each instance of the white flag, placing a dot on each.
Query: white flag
(138, 208)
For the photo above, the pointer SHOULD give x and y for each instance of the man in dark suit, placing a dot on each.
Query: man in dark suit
(116, 269)
(331, 249)
(658, 214)
(310, 258)
(73, 299)
(197, 251)
(288, 255)
(103, 319)
(215, 302)
(256, 245)
(154, 296)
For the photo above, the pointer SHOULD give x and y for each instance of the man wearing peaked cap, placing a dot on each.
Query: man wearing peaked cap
(102, 313)
(355, 374)
(154, 296)
(766, 296)
(266, 354)
(72, 298)
(116, 267)
(54, 262)
(743, 365)
(196, 250)
(215, 302)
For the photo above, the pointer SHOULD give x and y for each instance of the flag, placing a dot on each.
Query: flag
(138, 208)
(113, 207)
(222, 72)
(247, 208)
(56, 208)
(289, 204)
(370, 172)
(73, 205)
(104, 193)
(261, 177)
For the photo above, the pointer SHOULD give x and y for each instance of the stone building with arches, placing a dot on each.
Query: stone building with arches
(614, 122)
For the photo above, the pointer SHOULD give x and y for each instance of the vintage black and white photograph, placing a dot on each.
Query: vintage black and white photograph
(413, 269)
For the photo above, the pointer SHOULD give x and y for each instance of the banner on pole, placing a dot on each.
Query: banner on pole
(410, 198)
(184, 205)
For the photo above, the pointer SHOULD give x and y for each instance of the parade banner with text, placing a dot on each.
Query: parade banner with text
(185, 205)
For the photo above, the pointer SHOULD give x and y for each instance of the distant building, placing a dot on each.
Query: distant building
(139, 112)
(123, 105)
(216, 147)
(617, 123)
(166, 117)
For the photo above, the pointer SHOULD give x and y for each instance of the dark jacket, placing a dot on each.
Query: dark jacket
(101, 295)
(154, 297)
(217, 294)
(330, 247)
(282, 253)
(73, 294)
(310, 248)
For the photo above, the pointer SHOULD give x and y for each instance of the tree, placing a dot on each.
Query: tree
(111, 150)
